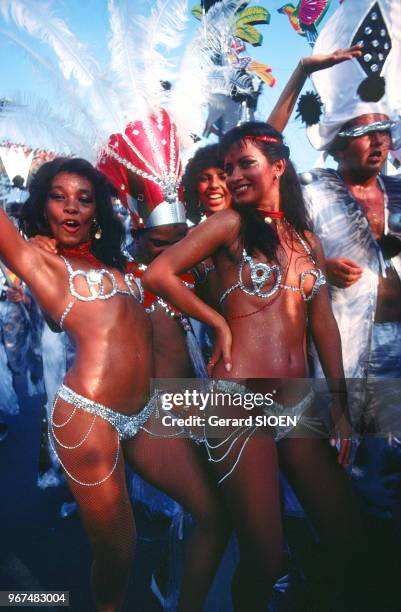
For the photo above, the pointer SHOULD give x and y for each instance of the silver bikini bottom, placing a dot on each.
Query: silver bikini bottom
(278, 414)
(126, 426)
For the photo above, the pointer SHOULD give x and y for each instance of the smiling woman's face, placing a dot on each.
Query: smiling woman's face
(250, 176)
(213, 191)
(70, 208)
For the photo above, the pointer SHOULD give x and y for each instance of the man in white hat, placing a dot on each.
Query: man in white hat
(356, 211)
(352, 208)
(350, 211)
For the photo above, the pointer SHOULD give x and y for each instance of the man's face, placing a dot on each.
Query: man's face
(367, 154)
(153, 241)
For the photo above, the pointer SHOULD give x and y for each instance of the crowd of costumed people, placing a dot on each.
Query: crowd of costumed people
(128, 276)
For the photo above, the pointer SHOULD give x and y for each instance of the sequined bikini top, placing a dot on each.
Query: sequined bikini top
(262, 273)
(95, 280)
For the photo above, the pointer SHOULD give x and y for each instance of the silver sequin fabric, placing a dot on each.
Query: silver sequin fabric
(127, 426)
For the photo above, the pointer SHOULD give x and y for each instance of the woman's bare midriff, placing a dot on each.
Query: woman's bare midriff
(112, 338)
(269, 334)
(268, 344)
(113, 353)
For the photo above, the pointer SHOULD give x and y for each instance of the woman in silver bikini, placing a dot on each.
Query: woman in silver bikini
(270, 270)
(99, 418)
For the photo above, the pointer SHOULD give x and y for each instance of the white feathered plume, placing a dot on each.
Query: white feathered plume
(218, 26)
(140, 49)
(64, 89)
(124, 68)
(163, 31)
(38, 20)
(201, 81)
(31, 120)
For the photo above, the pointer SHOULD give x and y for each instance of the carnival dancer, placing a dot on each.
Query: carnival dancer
(144, 165)
(271, 275)
(206, 190)
(204, 178)
(84, 289)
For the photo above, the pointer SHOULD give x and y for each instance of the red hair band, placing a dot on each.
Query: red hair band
(265, 138)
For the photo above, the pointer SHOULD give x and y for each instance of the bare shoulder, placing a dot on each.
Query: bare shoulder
(313, 240)
(226, 221)
(315, 244)
(218, 229)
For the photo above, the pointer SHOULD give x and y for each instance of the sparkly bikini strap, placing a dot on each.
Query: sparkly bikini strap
(72, 302)
(131, 280)
(306, 246)
(67, 264)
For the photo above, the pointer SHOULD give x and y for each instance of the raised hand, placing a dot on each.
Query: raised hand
(313, 63)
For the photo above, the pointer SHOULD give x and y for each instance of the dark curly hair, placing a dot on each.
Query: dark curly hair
(33, 220)
(205, 157)
(259, 236)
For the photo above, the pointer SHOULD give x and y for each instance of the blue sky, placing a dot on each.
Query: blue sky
(281, 49)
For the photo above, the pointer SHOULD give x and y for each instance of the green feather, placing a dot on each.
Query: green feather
(249, 34)
(252, 15)
(197, 11)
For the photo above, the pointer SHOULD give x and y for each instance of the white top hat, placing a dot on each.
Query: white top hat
(369, 84)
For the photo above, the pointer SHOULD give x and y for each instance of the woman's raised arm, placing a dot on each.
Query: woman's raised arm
(281, 113)
(18, 255)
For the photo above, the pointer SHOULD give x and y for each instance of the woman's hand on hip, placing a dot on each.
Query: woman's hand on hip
(222, 347)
